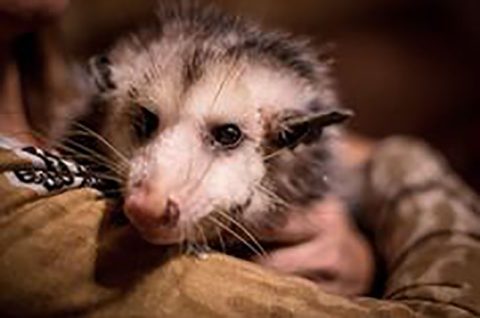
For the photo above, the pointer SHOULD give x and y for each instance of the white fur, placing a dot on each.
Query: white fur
(180, 164)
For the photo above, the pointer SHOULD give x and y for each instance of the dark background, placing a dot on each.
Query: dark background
(405, 67)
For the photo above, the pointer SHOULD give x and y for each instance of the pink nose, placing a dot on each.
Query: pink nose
(144, 210)
(171, 213)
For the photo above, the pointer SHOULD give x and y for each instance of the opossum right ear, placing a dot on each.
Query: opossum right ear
(305, 129)
(100, 68)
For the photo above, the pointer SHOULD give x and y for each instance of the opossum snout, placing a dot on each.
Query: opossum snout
(150, 211)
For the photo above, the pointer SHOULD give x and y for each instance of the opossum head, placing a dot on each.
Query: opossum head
(217, 122)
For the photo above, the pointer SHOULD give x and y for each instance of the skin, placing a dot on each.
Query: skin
(323, 243)
(316, 245)
(16, 18)
(325, 250)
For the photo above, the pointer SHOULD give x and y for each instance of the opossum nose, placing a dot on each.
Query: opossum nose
(150, 212)
(171, 213)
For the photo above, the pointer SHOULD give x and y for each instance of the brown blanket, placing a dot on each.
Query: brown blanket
(61, 256)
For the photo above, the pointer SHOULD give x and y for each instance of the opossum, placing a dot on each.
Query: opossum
(212, 122)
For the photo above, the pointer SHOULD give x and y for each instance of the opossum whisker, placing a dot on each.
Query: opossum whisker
(192, 245)
(188, 238)
(248, 233)
(236, 235)
(89, 153)
(196, 184)
(274, 154)
(228, 76)
(77, 150)
(93, 165)
(103, 141)
(220, 240)
(202, 234)
(272, 195)
(196, 235)
(78, 133)
(73, 154)
(111, 177)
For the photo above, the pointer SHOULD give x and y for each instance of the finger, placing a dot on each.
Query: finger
(295, 228)
(298, 259)
(302, 225)
(343, 266)
(316, 263)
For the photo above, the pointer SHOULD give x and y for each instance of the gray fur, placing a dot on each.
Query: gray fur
(214, 35)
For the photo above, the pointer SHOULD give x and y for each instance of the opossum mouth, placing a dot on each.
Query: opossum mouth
(160, 236)
(204, 230)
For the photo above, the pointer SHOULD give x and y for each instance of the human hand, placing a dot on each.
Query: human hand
(323, 245)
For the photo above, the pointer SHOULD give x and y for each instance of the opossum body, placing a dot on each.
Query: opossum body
(215, 121)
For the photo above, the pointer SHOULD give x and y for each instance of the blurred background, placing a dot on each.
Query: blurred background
(405, 67)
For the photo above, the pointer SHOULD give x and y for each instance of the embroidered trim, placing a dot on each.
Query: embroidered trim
(52, 173)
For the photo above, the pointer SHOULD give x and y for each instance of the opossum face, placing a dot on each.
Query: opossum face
(203, 131)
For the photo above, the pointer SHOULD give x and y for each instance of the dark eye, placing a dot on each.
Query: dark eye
(228, 136)
(145, 123)
(292, 136)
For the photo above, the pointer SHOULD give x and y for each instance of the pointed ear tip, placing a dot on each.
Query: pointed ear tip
(345, 112)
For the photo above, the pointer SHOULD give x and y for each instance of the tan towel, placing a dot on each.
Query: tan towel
(61, 257)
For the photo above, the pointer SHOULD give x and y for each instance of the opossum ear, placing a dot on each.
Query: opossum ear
(100, 68)
(307, 128)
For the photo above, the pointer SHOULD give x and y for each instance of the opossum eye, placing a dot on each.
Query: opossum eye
(291, 136)
(145, 123)
(228, 136)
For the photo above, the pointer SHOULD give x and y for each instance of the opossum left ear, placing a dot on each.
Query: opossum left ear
(100, 68)
(307, 128)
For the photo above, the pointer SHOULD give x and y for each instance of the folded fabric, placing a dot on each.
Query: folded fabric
(62, 256)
